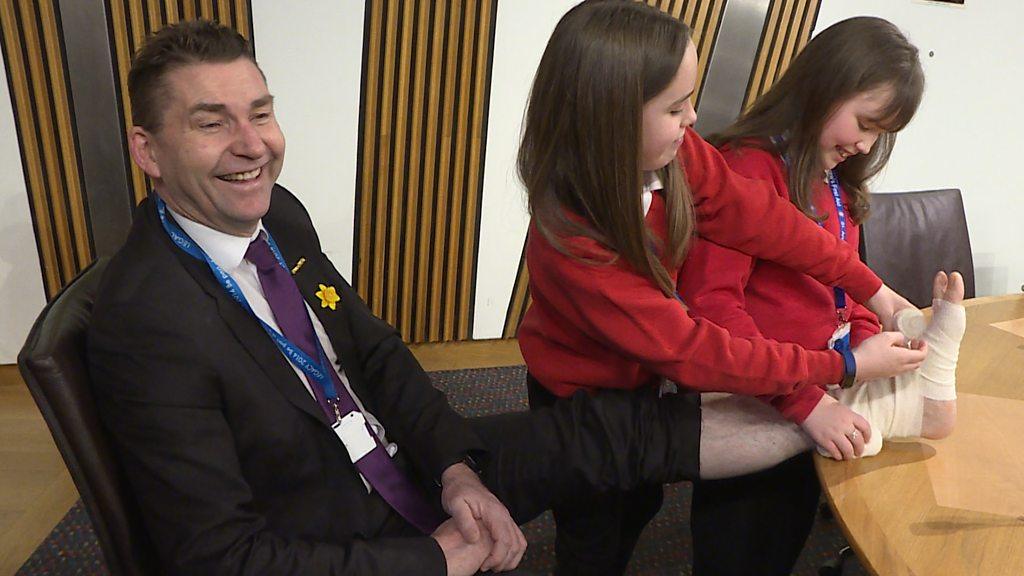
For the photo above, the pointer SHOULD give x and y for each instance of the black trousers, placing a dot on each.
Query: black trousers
(586, 445)
(580, 447)
(754, 524)
(569, 454)
(596, 531)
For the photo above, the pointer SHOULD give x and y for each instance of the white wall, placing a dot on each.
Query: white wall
(21, 282)
(521, 33)
(311, 53)
(969, 131)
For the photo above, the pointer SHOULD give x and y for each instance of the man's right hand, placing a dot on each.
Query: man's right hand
(885, 355)
(463, 557)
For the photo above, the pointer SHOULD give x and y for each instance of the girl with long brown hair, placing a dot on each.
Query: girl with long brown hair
(617, 184)
(823, 130)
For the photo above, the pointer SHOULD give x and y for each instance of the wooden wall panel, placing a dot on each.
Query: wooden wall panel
(131, 21)
(520, 300)
(41, 99)
(704, 18)
(786, 31)
(37, 73)
(425, 95)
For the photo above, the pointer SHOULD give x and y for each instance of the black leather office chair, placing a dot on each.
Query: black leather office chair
(54, 367)
(911, 235)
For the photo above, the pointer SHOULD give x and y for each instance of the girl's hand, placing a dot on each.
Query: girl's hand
(885, 355)
(885, 304)
(836, 429)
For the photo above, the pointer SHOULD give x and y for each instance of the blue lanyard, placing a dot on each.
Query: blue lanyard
(833, 184)
(316, 370)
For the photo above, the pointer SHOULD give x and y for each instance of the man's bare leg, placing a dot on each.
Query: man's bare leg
(741, 435)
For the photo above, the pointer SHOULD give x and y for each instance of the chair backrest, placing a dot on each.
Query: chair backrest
(909, 236)
(53, 364)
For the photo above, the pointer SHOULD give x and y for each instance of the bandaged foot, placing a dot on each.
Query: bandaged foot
(938, 373)
(923, 402)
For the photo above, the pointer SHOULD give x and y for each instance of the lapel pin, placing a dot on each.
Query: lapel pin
(298, 265)
(328, 297)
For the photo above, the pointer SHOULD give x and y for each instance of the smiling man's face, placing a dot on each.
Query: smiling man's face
(218, 149)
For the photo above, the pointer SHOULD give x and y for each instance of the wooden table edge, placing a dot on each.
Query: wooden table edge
(819, 460)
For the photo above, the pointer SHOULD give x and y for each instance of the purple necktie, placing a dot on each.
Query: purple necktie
(292, 318)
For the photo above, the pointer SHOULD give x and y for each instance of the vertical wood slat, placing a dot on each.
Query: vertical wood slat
(480, 79)
(425, 93)
(423, 270)
(520, 300)
(152, 17)
(131, 21)
(45, 126)
(206, 9)
(778, 45)
(703, 17)
(125, 31)
(400, 266)
(242, 17)
(42, 99)
(786, 31)
(189, 10)
(42, 103)
(410, 294)
(382, 159)
(443, 163)
(73, 195)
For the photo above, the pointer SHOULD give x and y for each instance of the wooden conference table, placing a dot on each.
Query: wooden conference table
(952, 506)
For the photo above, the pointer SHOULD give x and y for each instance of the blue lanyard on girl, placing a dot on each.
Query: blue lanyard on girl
(837, 197)
(840, 294)
(316, 371)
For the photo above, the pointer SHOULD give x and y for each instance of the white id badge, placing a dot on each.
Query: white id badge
(352, 431)
(839, 334)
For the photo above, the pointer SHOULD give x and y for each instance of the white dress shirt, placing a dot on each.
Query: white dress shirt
(647, 194)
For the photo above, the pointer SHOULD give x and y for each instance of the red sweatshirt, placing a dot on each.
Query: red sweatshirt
(753, 297)
(594, 326)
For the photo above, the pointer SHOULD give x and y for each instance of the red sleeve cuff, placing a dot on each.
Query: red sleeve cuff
(832, 370)
(796, 407)
(863, 283)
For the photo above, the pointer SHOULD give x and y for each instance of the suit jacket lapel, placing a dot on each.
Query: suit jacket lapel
(266, 354)
(314, 272)
(248, 331)
(335, 322)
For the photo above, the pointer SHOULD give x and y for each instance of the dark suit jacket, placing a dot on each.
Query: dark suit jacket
(233, 463)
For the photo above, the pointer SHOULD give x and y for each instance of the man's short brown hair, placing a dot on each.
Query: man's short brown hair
(187, 42)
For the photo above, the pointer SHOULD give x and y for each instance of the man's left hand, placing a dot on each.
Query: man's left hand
(467, 500)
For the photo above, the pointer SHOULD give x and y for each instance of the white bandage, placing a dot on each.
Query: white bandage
(893, 407)
(943, 335)
(911, 322)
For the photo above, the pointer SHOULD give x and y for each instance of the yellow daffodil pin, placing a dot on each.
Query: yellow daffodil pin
(328, 297)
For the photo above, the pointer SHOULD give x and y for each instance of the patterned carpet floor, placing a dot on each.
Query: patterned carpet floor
(664, 549)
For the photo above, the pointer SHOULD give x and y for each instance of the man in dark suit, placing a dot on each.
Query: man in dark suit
(233, 419)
